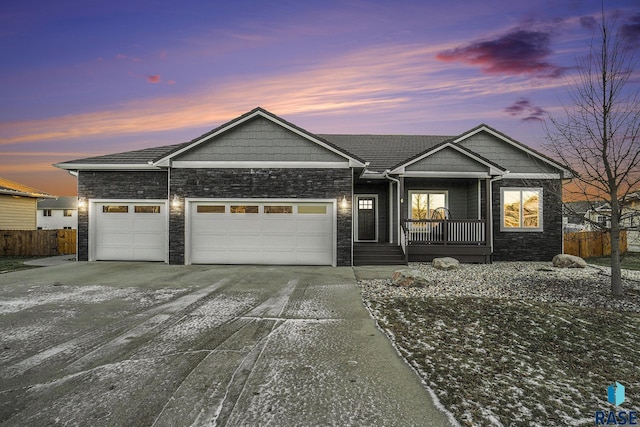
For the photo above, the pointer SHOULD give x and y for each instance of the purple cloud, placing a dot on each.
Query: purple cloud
(514, 53)
(589, 22)
(631, 30)
(523, 106)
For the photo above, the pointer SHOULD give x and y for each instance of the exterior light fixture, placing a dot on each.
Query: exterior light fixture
(82, 203)
(175, 202)
(343, 203)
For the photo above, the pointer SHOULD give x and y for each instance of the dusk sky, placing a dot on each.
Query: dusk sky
(83, 78)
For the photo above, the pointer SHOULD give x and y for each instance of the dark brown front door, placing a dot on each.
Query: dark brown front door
(366, 218)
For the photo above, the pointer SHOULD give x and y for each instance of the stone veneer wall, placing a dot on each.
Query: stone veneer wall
(115, 185)
(260, 183)
(529, 246)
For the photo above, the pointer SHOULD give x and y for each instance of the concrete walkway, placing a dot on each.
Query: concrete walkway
(153, 344)
(51, 261)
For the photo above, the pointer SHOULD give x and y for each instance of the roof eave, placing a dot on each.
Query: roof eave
(106, 166)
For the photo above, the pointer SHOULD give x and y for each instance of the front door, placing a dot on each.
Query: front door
(366, 218)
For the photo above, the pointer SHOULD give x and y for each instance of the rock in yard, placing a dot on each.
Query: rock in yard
(408, 279)
(568, 261)
(446, 263)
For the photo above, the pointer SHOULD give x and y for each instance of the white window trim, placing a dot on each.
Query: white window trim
(412, 192)
(540, 210)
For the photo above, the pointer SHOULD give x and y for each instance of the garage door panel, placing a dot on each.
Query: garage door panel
(274, 235)
(136, 232)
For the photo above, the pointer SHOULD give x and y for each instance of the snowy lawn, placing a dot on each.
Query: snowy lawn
(496, 361)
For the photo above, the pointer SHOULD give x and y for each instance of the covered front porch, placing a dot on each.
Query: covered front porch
(446, 217)
(425, 218)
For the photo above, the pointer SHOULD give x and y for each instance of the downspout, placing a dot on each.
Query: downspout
(490, 213)
(385, 174)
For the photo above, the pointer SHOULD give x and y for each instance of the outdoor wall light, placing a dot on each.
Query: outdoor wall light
(175, 202)
(343, 203)
(82, 203)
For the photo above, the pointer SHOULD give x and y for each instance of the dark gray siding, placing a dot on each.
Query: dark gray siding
(529, 246)
(261, 183)
(515, 160)
(115, 185)
(448, 160)
(382, 191)
(260, 140)
(472, 200)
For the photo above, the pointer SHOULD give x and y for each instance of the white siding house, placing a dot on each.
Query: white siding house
(58, 214)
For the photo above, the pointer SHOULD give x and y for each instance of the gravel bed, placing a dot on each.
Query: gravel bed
(533, 281)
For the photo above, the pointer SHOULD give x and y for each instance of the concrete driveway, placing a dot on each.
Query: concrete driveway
(152, 344)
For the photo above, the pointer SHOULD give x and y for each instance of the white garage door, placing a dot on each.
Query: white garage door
(130, 231)
(249, 232)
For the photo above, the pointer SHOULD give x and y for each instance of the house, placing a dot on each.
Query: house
(58, 214)
(261, 190)
(577, 215)
(18, 205)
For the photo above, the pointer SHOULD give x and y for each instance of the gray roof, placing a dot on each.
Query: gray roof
(143, 156)
(382, 151)
(64, 202)
(385, 151)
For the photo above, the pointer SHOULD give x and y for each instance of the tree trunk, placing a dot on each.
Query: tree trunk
(616, 268)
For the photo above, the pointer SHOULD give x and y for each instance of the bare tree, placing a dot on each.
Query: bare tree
(597, 136)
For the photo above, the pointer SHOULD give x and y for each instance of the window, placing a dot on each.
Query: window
(46, 212)
(244, 209)
(521, 209)
(147, 209)
(365, 204)
(210, 209)
(427, 204)
(115, 209)
(278, 209)
(312, 209)
(67, 212)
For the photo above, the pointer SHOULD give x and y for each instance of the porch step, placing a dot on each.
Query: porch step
(377, 254)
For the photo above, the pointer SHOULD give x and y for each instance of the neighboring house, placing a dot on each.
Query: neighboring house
(261, 190)
(598, 216)
(58, 214)
(578, 215)
(18, 205)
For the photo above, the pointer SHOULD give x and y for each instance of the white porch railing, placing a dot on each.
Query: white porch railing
(445, 231)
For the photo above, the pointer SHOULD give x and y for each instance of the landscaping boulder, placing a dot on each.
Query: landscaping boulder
(409, 278)
(568, 261)
(446, 263)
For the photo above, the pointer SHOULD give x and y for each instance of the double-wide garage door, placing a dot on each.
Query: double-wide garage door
(248, 232)
(130, 231)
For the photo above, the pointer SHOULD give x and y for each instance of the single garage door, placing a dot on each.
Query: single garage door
(130, 231)
(248, 232)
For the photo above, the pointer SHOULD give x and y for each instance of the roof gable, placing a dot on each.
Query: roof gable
(304, 141)
(259, 139)
(518, 158)
(449, 157)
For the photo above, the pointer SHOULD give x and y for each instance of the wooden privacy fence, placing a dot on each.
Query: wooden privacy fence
(588, 244)
(37, 242)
